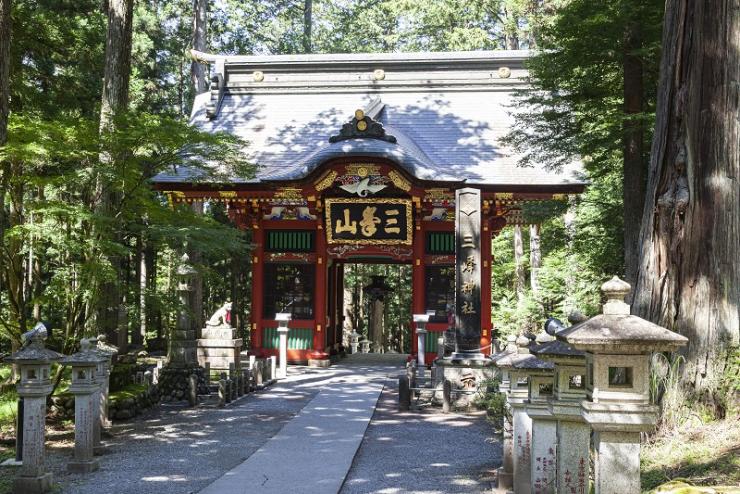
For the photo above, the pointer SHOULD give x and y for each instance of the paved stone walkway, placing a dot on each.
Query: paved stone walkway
(299, 436)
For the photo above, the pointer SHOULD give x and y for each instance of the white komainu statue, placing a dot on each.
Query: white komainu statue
(219, 318)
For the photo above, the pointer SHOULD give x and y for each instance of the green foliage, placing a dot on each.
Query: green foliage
(493, 402)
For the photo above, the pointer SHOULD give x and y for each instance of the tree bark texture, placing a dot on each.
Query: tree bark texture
(4, 69)
(198, 71)
(535, 257)
(115, 99)
(117, 59)
(689, 278)
(520, 275)
(635, 167)
(307, 25)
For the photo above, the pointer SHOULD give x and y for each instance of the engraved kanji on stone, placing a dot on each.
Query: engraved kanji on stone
(470, 264)
(468, 287)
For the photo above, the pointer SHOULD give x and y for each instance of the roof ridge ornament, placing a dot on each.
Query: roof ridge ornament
(362, 127)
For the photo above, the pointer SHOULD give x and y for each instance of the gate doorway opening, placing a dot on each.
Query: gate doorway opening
(376, 300)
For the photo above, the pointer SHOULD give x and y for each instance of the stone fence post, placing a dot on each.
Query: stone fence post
(283, 319)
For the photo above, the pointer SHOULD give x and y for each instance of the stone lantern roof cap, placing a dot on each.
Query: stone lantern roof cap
(88, 356)
(105, 347)
(185, 268)
(530, 362)
(616, 331)
(557, 349)
(34, 353)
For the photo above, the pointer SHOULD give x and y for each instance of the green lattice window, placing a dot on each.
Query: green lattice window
(298, 338)
(290, 241)
(440, 243)
(430, 341)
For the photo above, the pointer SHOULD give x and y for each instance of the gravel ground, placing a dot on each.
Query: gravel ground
(178, 450)
(181, 450)
(423, 452)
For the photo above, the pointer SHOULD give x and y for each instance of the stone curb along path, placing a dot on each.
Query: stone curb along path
(312, 453)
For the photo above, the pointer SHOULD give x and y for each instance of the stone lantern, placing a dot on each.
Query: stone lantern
(525, 368)
(85, 386)
(283, 318)
(107, 351)
(376, 292)
(34, 364)
(617, 347)
(502, 360)
(182, 343)
(535, 376)
(573, 433)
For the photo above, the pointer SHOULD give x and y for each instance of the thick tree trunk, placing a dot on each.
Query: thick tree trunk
(520, 276)
(198, 71)
(535, 257)
(4, 69)
(115, 99)
(307, 25)
(635, 168)
(511, 29)
(117, 60)
(689, 278)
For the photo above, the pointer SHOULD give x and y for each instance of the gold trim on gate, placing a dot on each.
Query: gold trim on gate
(409, 222)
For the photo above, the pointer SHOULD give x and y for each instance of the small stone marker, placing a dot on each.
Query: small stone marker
(273, 368)
(207, 373)
(404, 393)
(193, 390)
(446, 396)
(222, 392)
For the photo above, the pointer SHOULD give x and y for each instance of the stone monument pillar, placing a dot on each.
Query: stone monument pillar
(182, 360)
(34, 364)
(467, 275)
(283, 319)
(467, 366)
(85, 364)
(617, 347)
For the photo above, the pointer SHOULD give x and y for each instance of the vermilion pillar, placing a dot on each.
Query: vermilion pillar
(417, 277)
(319, 335)
(485, 289)
(258, 282)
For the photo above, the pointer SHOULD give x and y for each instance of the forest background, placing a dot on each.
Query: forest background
(69, 243)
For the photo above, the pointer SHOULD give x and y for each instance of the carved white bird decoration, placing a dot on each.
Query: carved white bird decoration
(363, 188)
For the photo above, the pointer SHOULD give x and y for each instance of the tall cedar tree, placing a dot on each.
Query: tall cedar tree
(114, 101)
(689, 278)
(200, 26)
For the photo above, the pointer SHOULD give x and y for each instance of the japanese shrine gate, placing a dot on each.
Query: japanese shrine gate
(359, 158)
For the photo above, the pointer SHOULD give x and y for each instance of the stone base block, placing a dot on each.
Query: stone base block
(325, 362)
(32, 485)
(465, 376)
(83, 466)
(505, 479)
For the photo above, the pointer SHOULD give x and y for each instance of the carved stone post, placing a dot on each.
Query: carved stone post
(283, 319)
